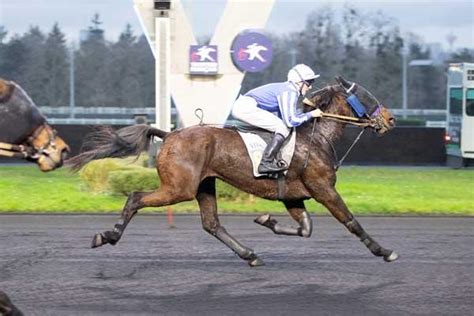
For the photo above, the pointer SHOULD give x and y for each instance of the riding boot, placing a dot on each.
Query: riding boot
(269, 163)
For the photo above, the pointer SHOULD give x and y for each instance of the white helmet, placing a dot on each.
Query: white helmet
(301, 72)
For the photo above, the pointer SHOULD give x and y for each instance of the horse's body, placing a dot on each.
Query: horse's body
(24, 131)
(192, 158)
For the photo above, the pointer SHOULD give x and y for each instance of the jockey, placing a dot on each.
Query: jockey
(273, 107)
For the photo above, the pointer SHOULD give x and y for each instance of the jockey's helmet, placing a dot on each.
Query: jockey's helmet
(302, 73)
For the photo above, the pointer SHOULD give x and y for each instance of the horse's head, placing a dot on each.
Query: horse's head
(362, 103)
(23, 124)
(49, 150)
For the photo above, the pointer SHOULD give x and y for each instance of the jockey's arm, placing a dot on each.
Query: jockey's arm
(287, 101)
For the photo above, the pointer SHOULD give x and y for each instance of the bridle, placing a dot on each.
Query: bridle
(364, 120)
(28, 149)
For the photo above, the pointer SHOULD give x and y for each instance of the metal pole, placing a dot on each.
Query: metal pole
(404, 81)
(72, 99)
(293, 53)
(162, 72)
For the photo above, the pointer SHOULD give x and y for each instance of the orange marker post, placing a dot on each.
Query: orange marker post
(169, 211)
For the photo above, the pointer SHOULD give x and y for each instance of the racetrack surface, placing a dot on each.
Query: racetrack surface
(47, 268)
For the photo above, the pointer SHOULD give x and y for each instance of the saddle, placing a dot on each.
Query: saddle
(256, 140)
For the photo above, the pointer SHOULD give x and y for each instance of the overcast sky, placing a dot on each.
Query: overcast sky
(432, 20)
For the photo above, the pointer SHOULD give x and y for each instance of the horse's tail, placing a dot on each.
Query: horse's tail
(108, 143)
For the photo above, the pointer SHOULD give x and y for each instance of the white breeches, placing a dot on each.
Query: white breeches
(245, 109)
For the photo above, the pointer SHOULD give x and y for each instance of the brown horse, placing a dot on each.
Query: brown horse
(192, 158)
(24, 131)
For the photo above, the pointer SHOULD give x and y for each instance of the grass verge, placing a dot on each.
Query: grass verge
(366, 190)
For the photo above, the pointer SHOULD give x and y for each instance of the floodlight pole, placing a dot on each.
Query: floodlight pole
(404, 81)
(293, 52)
(405, 64)
(72, 98)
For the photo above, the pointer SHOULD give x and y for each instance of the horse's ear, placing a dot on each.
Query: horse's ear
(346, 84)
(3, 88)
(6, 90)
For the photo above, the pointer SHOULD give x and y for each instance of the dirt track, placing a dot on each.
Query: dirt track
(47, 268)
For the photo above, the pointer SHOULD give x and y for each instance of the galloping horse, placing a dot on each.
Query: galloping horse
(24, 132)
(192, 158)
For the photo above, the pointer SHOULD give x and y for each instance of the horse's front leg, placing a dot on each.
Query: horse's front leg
(334, 203)
(298, 212)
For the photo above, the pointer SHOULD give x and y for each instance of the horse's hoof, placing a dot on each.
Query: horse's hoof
(257, 262)
(391, 257)
(97, 241)
(262, 219)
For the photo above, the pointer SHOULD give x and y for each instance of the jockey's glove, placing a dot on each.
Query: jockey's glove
(317, 113)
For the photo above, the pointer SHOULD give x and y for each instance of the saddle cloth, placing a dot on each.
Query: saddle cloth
(256, 146)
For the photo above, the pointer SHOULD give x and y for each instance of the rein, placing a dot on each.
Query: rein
(27, 150)
(14, 151)
(310, 143)
(339, 163)
(372, 122)
(350, 120)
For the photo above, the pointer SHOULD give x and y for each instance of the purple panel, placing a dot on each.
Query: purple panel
(203, 59)
(252, 51)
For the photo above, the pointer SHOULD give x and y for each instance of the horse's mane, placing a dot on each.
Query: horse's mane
(324, 96)
(327, 99)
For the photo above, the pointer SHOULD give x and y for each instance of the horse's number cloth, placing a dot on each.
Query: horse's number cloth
(256, 146)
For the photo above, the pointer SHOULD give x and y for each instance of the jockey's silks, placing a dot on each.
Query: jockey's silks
(280, 99)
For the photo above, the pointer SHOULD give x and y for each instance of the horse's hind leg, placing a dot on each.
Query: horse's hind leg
(165, 195)
(206, 198)
(334, 203)
(298, 212)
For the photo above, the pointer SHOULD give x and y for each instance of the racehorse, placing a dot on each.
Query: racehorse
(6, 306)
(192, 158)
(24, 131)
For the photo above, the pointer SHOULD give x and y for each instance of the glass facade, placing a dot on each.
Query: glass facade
(455, 101)
(470, 102)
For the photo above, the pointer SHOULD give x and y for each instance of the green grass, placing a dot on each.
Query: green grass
(366, 190)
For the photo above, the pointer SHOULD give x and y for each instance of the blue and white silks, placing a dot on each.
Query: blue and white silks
(280, 99)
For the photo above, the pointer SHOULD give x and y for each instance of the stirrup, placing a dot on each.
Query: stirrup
(269, 170)
(276, 166)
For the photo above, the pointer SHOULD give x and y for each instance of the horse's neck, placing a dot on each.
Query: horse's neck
(330, 130)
